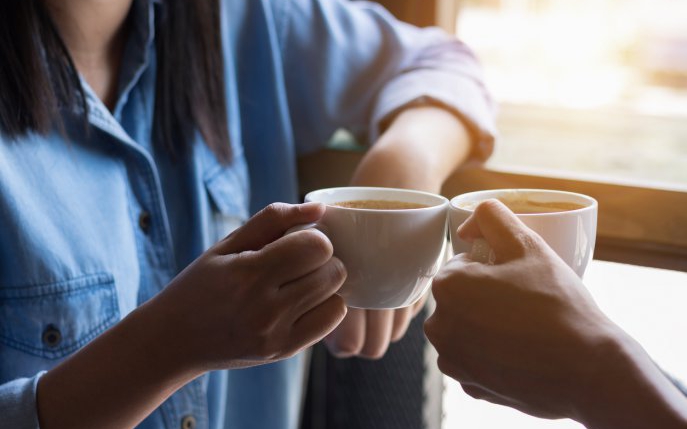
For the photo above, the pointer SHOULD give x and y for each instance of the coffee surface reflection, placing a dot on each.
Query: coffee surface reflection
(379, 205)
(530, 206)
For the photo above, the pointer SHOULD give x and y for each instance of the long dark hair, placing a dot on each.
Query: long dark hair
(38, 80)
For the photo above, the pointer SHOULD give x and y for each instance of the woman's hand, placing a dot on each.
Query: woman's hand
(258, 295)
(255, 297)
(524, 332)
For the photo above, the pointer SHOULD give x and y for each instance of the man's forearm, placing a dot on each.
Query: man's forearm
(419, 150)
(631, 392)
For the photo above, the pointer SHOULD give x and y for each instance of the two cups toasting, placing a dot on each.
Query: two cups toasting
(393, 241)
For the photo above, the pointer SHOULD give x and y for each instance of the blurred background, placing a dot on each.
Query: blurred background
(594, 87)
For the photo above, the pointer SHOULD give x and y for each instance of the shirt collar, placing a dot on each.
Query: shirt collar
(137, 51)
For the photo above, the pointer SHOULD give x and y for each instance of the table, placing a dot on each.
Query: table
(650, 304)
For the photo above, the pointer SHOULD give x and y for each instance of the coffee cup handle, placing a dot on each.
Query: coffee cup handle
(482, 252)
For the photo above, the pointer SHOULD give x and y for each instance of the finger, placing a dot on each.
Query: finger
(348, 338)
(458, 273)
(417, 307)
(294, 255)
(377, 333)
(270, 224)
(442, 337)
(309, 291)
(321, 320)
(402, 318)
(505, 233)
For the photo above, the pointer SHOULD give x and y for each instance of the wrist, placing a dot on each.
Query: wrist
(120, 377)
(388, 166)
(172, 346)
(419, 150)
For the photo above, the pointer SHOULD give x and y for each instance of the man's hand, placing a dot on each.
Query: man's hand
(524, 332)
(368, 333)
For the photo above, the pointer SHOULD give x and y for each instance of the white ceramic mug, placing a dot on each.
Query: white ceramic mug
(571, 233)
(391, 256)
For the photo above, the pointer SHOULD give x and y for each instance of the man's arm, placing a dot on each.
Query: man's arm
(420, 149)
(525, 333)
(352, 65)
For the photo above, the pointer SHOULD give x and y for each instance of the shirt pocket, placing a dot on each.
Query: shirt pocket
(53, 320)
(228, 191)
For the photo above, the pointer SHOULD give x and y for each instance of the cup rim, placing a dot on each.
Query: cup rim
(441, 201)
(592, 202)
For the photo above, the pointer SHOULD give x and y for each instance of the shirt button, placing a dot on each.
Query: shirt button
(188, 422)
(52, 337)
(144, 221)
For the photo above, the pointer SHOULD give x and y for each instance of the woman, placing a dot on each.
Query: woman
(136, 133)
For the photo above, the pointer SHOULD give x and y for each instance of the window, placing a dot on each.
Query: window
(586, 86)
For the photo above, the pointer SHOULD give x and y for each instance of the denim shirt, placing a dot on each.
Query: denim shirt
(93, 225)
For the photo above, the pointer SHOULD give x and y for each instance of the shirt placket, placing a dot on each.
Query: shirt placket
(187, 408)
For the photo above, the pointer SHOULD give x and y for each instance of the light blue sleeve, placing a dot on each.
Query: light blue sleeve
(352, 64)
(18, 403)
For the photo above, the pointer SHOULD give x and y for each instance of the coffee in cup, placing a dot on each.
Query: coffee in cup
(379, 205)
(524, 205)
(565, 220)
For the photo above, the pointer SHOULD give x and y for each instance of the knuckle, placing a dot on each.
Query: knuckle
(338, 271)
(318, 244)
(487, 208)
(339, 308)
(441, 286)
(528, 241)
(445, 285)
(274, 210)
(374, 352)
(246, 267)
(262, 329)
(349, 345)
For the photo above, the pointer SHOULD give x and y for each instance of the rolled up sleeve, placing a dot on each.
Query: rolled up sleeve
(353, 65)
(450, 78)
(18, 403)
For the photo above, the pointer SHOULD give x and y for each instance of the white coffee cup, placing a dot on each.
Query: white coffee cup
(391, 256)
(571, 233)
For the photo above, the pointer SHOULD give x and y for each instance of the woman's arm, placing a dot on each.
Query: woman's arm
(255, 297)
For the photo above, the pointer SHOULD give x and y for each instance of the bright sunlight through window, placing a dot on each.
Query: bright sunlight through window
(594, 87)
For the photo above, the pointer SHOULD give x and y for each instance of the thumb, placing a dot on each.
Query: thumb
(269, 224)
(508, 237)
